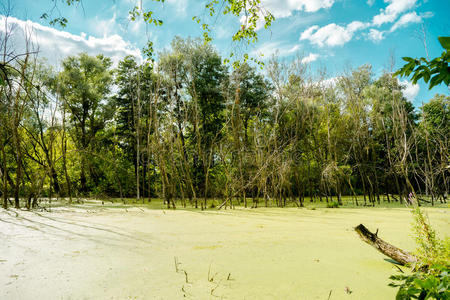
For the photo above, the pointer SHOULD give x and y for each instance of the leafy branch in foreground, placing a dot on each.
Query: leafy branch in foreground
(422, 285)
(433, 72)
(60, 20)
(430, 279)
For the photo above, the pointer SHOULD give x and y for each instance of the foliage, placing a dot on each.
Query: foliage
(189, 128)
(59, 20)
(251, 13)
(434, 71)
(333, 204)
(430, 249)
(419, 285)
(430, 278)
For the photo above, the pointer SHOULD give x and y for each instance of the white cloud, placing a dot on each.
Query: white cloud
(310, 58)
(105, 27)
(284, 8)
(405, 20)
(332, 34)
(410, 90)
(276, 48)
(55, 44)
(329, 82)
(338, 35)
(376, 35)
(180, 6)
(390, 13)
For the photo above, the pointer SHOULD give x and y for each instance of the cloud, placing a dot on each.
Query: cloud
(329, 82)
(310, 58)
(410, 90)
(180, 6)
(390, 13)
(332, 34)
(405, 20)
(276, 48)
(338, 35)
(56, 45)
(280, 50)
(376, 35)
(105, 27)
(284, 8)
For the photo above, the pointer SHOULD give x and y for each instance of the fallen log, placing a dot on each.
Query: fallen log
(423, 200)
(400, 256)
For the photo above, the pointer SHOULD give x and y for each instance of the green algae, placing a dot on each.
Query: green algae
(264, 253)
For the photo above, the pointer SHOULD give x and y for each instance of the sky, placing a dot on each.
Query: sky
(331, 35)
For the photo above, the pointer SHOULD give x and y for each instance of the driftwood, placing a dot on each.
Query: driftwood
(400, 256)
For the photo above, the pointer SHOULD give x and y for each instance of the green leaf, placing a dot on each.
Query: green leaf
(445, 42)
(409, 59)
(435, 80)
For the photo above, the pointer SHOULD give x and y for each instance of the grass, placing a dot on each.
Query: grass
(214, 203)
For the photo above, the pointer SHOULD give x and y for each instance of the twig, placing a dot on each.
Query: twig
(176, 264)
(184, 291)
(211, 278)
(398, 268)
(186, 274)
(221, 205)
(213, 289)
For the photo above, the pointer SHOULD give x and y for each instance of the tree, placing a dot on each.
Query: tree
(207, 77)
(84, 83)
(132, 105)
(434, 142)
(252, 91)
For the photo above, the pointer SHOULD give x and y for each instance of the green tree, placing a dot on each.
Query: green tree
(84, 83)
(252, 91)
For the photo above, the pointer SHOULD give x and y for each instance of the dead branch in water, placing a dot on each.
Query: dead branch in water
(397, 254)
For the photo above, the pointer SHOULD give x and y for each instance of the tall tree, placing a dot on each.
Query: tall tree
(84, 82)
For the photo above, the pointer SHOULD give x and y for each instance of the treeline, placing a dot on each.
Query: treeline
(187, 128)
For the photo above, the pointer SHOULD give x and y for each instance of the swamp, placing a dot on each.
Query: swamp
(224, 149)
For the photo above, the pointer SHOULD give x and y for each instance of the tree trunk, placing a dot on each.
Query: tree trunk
(400, 256)
(4, 178)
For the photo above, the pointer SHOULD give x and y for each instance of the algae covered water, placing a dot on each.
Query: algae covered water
(135, 253)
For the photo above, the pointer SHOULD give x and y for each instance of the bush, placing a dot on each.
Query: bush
(333, 204)
(430, 279)
(430, 249)
(420, 285)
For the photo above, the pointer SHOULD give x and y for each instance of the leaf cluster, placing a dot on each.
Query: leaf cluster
(433, 72)
(423, 286)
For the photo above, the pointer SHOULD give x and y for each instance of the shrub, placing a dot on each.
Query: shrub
(333, 204)
(430, 278)
(430, 249)
(420, 285)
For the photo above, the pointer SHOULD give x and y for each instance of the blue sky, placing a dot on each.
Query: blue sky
(332, 34)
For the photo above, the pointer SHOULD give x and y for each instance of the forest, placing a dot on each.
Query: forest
(186, 128)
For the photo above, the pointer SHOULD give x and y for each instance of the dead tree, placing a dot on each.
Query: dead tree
(399, 255)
